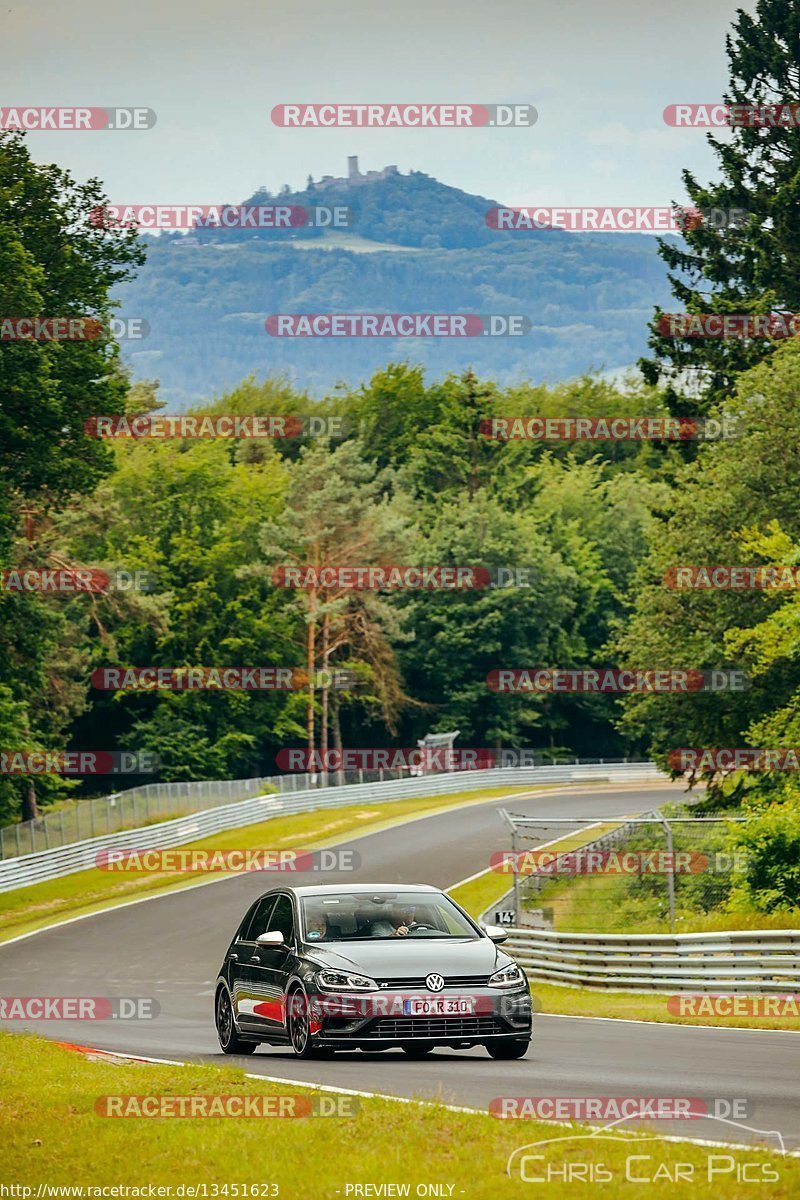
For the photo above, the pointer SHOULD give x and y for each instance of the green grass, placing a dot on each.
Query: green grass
(559, 999)
(639, 903)
(480, 893)
(563, 1000)
(41, 904)
(51, 1134)
(582, 905)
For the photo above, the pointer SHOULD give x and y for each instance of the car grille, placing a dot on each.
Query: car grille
(435, 1027)
(450, 981)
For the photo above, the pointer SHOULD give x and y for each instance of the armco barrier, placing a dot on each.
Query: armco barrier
(149, 803)
(80, 856)
(740, 961)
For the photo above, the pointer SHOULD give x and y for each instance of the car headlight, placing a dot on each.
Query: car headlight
(345, 981)
(508, 977)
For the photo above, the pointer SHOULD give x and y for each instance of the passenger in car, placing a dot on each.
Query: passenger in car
(317, 926)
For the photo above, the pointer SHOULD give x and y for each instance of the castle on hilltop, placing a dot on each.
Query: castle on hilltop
(354, 176)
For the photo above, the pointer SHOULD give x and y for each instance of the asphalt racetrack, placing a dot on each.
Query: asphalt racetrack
(170, 948)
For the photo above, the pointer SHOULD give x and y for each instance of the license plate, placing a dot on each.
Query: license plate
(437, 1006)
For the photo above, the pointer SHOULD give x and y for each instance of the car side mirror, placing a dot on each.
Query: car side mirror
(496, 933)
(275, 938)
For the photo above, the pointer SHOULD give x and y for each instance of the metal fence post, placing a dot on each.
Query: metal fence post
(670, 870)
(515, 864)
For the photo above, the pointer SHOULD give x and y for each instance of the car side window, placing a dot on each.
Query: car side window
(260, 920)
(282, 919)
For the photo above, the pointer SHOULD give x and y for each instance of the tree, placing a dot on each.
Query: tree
(338, 514)
(459, 636)
(54, 262)
(188, 514)
(721, 513)
(753, 267)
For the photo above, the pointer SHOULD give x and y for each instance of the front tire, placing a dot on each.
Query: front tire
(229, 1039)
(299, 1026)
(508, 1048)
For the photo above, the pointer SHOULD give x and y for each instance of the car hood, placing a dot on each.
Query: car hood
(396, 958)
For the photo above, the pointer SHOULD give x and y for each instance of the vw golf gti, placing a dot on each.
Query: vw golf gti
(368, 967)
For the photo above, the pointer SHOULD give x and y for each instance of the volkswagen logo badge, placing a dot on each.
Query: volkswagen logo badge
(434, 983)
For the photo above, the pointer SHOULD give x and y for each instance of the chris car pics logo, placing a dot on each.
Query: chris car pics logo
(598, 1156)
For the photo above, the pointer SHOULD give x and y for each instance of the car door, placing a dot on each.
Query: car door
(265, 969)
(243, 959)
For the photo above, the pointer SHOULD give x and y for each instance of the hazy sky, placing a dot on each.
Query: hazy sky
(599, 71)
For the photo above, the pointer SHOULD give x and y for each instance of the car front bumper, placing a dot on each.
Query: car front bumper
(380, 1019)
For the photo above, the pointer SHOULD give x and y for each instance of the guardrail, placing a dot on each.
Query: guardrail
(133, 808)
(81, 856)
(152, 802)
(739, 961)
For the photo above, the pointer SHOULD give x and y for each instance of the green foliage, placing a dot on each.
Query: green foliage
(53, 263)
(733, 488)
(770, 841)
(753, 267)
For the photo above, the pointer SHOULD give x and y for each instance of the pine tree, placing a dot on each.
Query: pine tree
(752, 266)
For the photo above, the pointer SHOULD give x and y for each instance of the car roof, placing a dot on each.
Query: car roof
(366, 889)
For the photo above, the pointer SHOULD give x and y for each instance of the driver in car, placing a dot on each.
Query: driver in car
(400, 926)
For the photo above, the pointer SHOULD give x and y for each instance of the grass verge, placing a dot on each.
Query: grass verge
(480, 893)
(26, 909)
(562, 1000)
(53, 1135)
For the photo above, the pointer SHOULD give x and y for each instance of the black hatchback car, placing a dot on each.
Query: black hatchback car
(367, 967)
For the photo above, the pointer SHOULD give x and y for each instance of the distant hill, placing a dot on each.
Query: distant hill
(416, 245)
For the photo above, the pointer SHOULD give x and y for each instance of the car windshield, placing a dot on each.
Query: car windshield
(351, 917)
